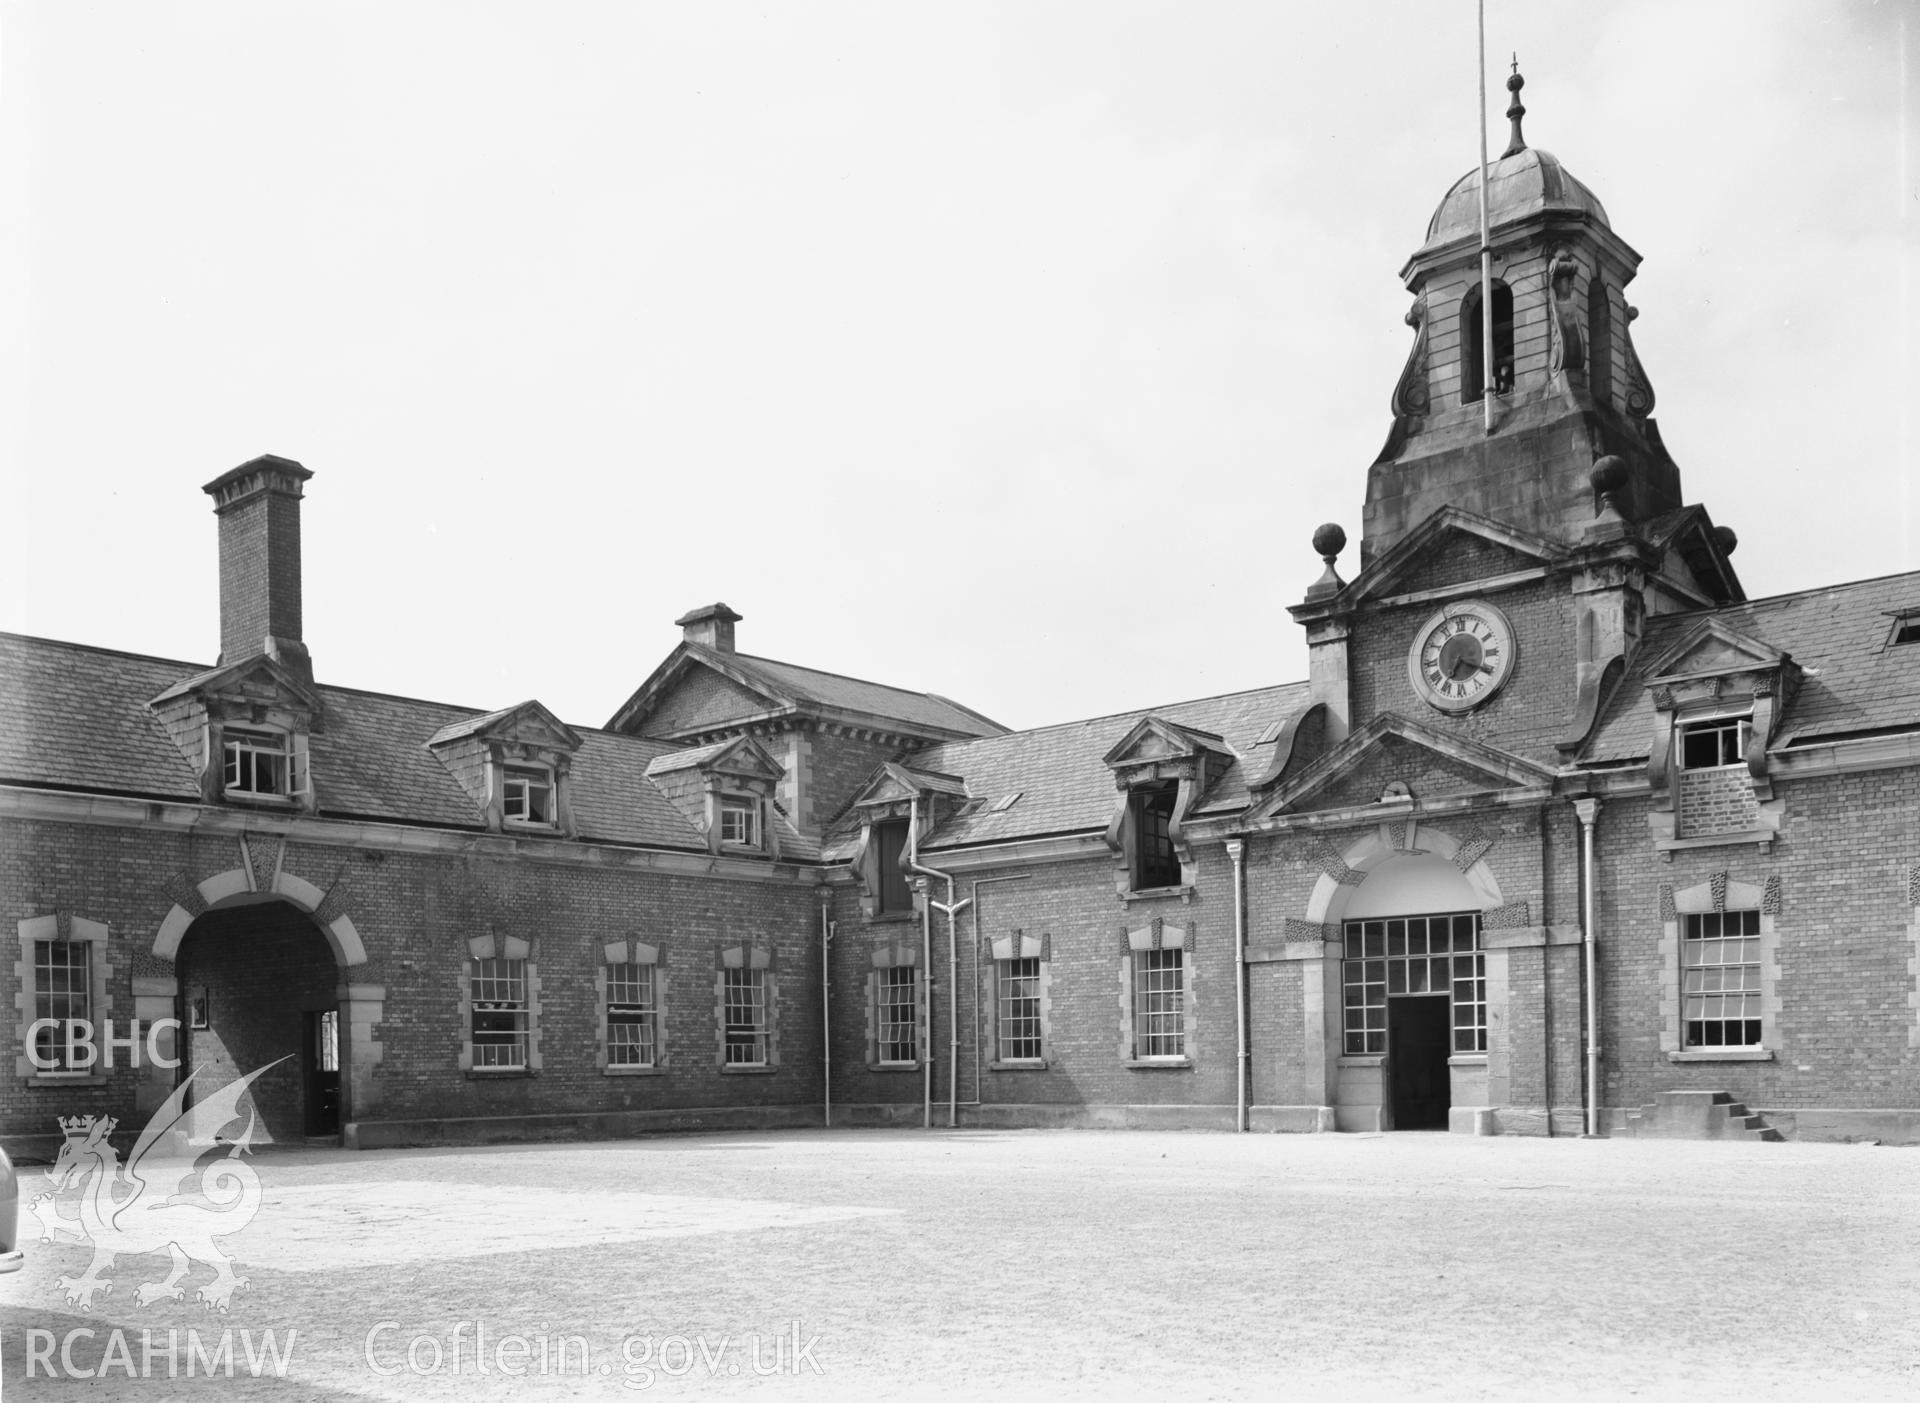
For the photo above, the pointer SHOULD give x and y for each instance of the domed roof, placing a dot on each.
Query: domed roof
(1527, 182)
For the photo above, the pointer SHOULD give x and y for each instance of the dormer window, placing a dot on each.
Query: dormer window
(1715, 744)
(739, 822)
(1155, 861)
(258, 763)
(1906, 629)
(526, 795)
(890, 849)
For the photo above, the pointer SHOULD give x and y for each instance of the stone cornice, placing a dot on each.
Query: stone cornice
(108, 811)
(1065, 847)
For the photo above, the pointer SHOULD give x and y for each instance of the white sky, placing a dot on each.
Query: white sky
(1009, 351)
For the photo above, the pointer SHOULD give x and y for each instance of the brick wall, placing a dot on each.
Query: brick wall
(415, 914)
(1717, 801)
(1527, 716)
(1844, 982)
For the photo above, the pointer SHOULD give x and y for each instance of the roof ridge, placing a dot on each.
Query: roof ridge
(1131, 711)
(110, 652)
(843, 676)
(1788, 594)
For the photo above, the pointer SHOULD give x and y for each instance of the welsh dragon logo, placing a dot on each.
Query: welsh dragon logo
(141, 1207)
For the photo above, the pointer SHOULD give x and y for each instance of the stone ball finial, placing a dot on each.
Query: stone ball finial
(1727, 539)
(1328, 540)
(1609, 474)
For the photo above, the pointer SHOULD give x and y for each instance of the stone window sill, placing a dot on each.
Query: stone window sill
(655, 1071)
(1170, 1064)
(1761, 838)
(1034, 1064)
(246, 798)
(1467, 1059)
(49, 1080)
(1367, 1059)
(498, 1073)
(1722, 1054)
(893, 1066)
(1185, 893)
(747, 1069)
(892, 918)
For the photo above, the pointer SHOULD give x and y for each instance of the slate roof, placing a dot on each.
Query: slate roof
(76, 718)
(806, 684)
(1839, 635)
(1060, 773)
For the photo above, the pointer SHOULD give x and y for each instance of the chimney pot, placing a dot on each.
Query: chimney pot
(711, 626)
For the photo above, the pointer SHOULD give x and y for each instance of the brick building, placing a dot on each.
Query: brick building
(1560, 827)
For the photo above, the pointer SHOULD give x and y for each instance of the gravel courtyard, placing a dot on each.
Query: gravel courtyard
(1040, 1263)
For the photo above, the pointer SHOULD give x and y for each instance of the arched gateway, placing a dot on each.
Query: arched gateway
(261, 961)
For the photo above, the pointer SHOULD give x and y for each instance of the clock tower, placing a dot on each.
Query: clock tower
(1509, 558)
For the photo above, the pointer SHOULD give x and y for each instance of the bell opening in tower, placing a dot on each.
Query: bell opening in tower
(1473, 340)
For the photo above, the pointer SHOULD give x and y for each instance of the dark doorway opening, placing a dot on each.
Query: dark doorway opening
(1419, 1041)
(322, 1063)
(257, 976)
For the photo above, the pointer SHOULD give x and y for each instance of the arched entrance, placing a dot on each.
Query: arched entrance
(1415, 980)
(262, 964)
(1401, 1000)
(258, 983)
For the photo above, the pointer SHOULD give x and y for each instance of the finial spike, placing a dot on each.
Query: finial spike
(1515, 111)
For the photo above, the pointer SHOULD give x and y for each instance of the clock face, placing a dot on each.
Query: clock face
(1461, 656)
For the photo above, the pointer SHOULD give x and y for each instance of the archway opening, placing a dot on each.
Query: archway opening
(258, 983)
(1473, 327)
(1414, 983)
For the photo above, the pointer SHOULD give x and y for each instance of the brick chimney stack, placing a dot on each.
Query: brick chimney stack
(712, 626)
(258, 504)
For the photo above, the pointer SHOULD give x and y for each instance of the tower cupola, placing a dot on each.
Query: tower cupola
(1566, 386)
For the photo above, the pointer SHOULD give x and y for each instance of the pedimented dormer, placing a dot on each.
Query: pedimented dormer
(726, 792)
(516, 767)
(895, 798)
(1719, 697)
(244, 729)
(1162, 770)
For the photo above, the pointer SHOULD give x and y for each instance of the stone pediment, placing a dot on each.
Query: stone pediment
(698, 689)
(528, 727)
(1714, 650)
(1393, 764)
(740, 758)
(255, 681)
(1155, 743)
(1454, 547)
(894, 783)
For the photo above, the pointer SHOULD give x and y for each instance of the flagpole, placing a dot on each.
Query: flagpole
(1486, 246)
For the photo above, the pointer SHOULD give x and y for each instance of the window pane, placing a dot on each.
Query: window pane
(745, 999)
(1019, 1010)
(1159, 1003)
(498, 994)
(896, 1017)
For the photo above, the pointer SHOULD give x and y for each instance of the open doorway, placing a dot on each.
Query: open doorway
(321, 1063)
(260, 987)
(1419, 1042)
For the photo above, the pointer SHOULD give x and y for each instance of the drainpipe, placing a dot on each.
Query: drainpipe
(952, 909)
(826, 1006)
(1588, 809)
(1237, 850)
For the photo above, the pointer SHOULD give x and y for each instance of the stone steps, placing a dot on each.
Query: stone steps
(1698, 1115)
